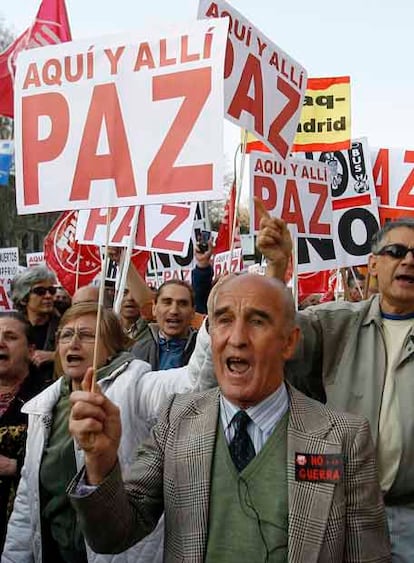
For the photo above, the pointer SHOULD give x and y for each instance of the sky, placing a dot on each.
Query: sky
(370, 40)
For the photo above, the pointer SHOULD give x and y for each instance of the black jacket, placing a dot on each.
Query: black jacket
(13, 431)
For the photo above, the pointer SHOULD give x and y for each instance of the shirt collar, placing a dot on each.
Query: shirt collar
(265, 414)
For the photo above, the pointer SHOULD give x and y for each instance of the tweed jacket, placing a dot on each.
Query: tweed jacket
(328, 522)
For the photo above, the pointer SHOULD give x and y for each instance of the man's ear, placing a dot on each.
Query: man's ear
(373, 265)
(291, 343)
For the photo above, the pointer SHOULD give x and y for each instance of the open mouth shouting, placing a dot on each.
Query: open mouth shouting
(74, 359)
(405, 279)
(237, 365)
(4, 356)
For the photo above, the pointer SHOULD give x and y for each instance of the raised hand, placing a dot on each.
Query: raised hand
(95, 425)
(273, 241)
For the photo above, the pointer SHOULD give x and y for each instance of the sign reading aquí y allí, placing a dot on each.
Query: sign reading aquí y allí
(121, 120)
(264, 86)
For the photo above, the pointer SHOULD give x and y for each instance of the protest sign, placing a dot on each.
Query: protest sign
(132, 120)
(295, 190)
(170, 266)
(163, 228)
(165, 274)
(264, 86)
(164, 266)
(354, 204)
(325, 121)
(35, 259)
(9, 268)
(393, 172)
(301, 197)
(227, 262)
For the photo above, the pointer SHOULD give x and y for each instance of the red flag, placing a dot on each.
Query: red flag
(223, 242)
(140, 260)
(51, 26)
(315, 282)
(323, 283)
(64, 255)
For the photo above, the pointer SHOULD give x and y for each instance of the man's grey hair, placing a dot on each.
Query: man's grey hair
(379, 238)
(23, 283)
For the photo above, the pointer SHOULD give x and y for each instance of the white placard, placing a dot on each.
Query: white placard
(161, 228)
(354, 203)
(35, 259)
(264, 86)
(296, 190)
(166, 274)
(122, 120)
(9, 268)
(227, 262)
(393, 171)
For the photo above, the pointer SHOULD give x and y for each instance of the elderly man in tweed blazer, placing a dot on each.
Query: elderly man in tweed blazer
(297, 482)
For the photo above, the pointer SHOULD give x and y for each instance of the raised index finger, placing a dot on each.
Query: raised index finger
(261, 210)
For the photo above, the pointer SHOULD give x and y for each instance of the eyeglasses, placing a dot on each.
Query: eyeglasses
(396, 251)
(41, 291)
(84, 335)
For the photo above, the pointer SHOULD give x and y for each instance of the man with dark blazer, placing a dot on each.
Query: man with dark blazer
(250, 471)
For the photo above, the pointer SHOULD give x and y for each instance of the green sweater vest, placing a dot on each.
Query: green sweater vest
(248, 514)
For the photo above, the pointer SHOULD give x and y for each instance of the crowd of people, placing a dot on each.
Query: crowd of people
(261, 434)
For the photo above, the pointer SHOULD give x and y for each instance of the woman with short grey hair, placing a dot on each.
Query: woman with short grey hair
(33, 294)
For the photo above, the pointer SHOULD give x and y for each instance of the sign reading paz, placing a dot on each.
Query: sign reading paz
(131, 120)
(297, 191)
(264, 86)
(161, 228)
(393, 171)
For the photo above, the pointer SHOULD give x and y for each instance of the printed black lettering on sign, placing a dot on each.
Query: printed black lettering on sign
(319, 468)
(345, 230)
(324, 247)
(357, 168)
